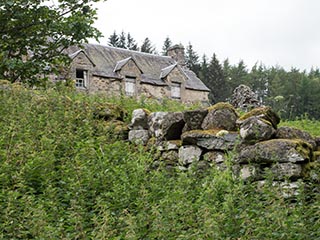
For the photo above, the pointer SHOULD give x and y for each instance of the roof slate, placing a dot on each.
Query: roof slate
(108, 60)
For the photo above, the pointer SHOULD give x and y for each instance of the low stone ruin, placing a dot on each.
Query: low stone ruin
(244, 98)
(205, 138)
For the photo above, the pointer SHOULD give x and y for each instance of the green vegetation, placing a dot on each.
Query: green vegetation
(65, 175)
(311, 126)
(36, 32)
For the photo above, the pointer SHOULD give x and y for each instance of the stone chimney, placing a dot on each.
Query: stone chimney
(177, 53)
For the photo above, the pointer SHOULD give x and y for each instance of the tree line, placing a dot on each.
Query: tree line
(292, 93)
(34, 37)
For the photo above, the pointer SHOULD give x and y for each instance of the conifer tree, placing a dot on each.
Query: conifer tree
(192, 59)
(122, 40)
(131, 43)
(147, 46)
(113, 40)
(166, 45)
(217, 84)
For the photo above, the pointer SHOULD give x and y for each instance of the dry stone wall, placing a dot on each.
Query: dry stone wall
(205, 137)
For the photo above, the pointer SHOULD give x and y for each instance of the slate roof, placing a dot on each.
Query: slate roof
(107, 60)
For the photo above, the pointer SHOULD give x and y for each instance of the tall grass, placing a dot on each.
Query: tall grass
(64, 176)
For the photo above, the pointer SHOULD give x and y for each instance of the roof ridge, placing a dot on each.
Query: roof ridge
(128, 50)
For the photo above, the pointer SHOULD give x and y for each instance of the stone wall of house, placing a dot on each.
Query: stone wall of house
(205, 138)
(108, 86)
(83, 63)
(189, 96)
(157, 92)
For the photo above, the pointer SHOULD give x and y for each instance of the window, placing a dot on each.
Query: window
(81, 78)
(175, 90)
(130, 85)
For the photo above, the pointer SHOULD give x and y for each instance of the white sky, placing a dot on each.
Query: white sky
(274, 32)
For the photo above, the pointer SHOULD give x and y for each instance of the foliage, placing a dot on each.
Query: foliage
(123, 40)
(147, 46)
(64, 176)
(192, 59)
(166, 45)
(36, 32)
(304, 123)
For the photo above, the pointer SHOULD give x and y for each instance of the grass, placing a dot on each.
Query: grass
(65, 175)
(309, 125)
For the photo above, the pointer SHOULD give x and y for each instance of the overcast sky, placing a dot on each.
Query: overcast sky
(274, 32)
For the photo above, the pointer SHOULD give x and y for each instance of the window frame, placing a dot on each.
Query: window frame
(81, 78)
(130, 85)
(176, 90)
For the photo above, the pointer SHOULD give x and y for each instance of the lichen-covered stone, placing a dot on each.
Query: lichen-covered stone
(169, 145)
(286, 189)
(244, 98)
(249, 172)
(116, 128)
(215, 157)
(170, 157)
(311, 171)
(166, 125)
(139, 119)
(189, 154)
(256, 129)
(193, 119)
(293, 133)
(139, 136)
(108, 111)
(282, 171)
(265, 113)
(209, 140)
(220, 116)
(276, 150)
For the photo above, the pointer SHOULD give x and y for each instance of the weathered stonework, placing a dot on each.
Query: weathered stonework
(293, 158)
(116, 72)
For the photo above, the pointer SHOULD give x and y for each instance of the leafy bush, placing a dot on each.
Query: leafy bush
(63, 175)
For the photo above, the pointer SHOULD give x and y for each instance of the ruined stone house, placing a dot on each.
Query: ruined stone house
(116, 71)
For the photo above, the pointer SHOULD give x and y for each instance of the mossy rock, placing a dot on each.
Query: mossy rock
(211, 139)
(316, 156)
(109, 111)
(5, 82)
(276, 150)
(293, 133)
(311, 171)
(221, 115)
(265, 113)
(115, 129)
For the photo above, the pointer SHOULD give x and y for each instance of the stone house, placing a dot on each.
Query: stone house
(117, 71)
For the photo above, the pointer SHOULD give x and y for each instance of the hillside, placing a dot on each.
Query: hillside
(67, 173)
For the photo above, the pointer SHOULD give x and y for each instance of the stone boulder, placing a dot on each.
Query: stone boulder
(210, 139)
(248, 172)
(166, 125)
(169, 145)
(244, 98)
(265, 113)
(189, 154)
(282, 171)
(170, 157)
(115, 128)
(139, 136)
(193, 119)
(139, 119)
(276, 150)
(216, 157)
(293, 133)
(256, 129)
(108, 111)
(220, 116)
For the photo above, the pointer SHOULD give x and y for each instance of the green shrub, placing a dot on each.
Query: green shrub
(64, 175)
